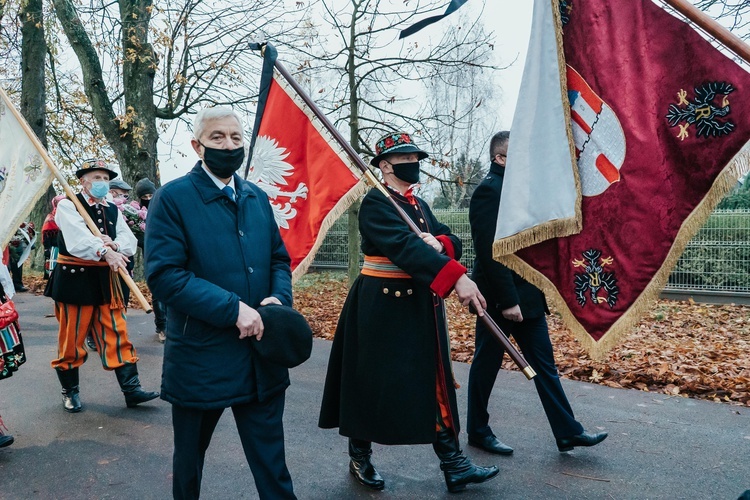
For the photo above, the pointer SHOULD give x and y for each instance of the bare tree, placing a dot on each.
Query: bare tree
(370, 82)
(461, 107)
(198, 57)
(33, 102)
(735, 14)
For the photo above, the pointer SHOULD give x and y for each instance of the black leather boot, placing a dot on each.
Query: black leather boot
(127, 377)
(458, 469)
(69, 382)
(360, 465)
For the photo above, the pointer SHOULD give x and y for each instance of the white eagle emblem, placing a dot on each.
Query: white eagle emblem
(268, 171)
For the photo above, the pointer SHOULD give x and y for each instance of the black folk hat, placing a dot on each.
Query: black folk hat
(396, 142)
(287, 338)
(95, 164)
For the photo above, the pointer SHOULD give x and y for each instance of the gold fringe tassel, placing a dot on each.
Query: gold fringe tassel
(597, 350)
(341, 206)
(117, 298)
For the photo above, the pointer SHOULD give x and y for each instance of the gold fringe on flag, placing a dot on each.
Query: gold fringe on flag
(725, 181)
(337, 211)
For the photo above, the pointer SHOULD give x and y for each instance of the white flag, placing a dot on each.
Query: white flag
(540, 197)
(23, 175)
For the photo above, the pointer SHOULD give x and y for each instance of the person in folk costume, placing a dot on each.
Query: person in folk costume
(88, 291)
(118, 191)
(20, 241)
(389, 376)
(12, 353)
(519, 309)
(50, 232)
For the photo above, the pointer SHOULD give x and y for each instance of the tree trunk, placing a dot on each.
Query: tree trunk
(138, 155)
(33, 53)
(132, 134)
(353, 226)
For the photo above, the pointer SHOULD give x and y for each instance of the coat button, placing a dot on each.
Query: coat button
(421, 220)
(65, 267)
(99, 220)
(409, 292)
(250, 270)
(81, 269)
(241, 233)
(385, 290)
(397, 294)
(72, 271)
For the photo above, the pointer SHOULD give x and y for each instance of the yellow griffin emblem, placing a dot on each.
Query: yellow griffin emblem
(594, 279)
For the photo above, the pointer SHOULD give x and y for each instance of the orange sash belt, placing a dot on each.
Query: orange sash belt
(117, 299)
(382, 267)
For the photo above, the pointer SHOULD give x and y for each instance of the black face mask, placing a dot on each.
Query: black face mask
(407, 172)
(223, 162)
(144, 203)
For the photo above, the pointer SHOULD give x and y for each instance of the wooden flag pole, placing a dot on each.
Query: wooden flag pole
(72, 196)
(499, 335)
(713, 28)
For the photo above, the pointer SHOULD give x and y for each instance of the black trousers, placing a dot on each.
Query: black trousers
(16, 271)
(160, 315)
(261, 431)
(532, 337)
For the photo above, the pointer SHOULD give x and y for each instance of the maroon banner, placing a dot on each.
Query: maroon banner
(657, 114)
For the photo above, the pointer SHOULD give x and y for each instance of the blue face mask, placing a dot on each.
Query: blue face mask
(99, 189)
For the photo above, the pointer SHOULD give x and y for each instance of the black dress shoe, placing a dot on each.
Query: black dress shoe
(491, 444)
(21, 288)
(583, 439)
(5, 440)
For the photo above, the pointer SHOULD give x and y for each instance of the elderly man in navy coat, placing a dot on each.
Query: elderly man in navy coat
(214, 255)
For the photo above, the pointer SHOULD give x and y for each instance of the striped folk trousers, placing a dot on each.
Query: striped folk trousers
(108, 327)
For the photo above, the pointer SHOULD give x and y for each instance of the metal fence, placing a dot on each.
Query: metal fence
(717, 259)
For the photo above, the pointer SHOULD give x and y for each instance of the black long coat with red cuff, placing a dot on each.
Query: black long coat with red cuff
(391, 336)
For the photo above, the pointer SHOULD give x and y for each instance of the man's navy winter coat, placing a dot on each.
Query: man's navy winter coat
(204, 254)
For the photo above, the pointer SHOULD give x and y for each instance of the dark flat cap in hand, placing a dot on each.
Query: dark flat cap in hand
(287, 338)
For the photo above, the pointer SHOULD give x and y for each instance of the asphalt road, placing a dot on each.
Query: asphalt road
(659, 446)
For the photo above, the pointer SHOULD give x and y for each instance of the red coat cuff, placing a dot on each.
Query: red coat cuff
(448, 245)
(447, 277)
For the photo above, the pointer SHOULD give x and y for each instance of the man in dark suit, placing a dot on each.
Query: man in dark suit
(214, 255)
(519, 309)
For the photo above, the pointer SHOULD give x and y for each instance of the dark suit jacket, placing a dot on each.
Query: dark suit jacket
(501, 287)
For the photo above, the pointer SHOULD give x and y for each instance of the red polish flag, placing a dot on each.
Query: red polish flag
(622, 143)
(307, 175)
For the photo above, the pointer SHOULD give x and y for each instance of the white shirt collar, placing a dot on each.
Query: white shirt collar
(219, 183)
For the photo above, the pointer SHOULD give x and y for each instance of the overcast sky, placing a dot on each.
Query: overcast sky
(509, 19)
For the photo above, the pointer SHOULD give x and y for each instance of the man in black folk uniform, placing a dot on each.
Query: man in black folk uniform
(519, 309)
(389, 376)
